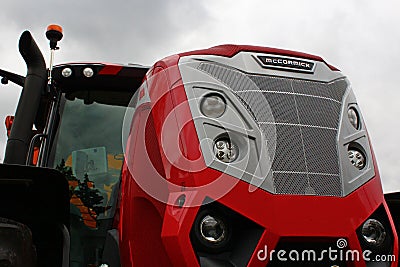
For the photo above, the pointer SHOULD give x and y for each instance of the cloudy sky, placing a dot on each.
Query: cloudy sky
(362, 38)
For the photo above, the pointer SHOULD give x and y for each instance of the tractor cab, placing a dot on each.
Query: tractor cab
(64, 157)
(86, 147)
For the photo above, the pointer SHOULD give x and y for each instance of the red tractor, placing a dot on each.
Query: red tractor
(228, 156)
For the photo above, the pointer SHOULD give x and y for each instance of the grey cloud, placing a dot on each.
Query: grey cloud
(122, 30)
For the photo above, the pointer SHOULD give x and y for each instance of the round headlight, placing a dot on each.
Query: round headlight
(66, 72)
(357, 158)
(353, 117)
(373, 232)
(213, 229)
(213, 106)
(88, 72)
(225, 150)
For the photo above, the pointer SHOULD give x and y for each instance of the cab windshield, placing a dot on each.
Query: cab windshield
(88, 151)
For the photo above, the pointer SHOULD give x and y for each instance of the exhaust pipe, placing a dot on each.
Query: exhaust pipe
(35, 83)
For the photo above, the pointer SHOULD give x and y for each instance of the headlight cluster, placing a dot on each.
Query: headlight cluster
(354, 145)
(354, 118)
(376, 236)
(66, 72)
(213, 105)
(225, 149)
(222, 237)
(87, 72)
(373, 232)
(356, 155)
(213, 229)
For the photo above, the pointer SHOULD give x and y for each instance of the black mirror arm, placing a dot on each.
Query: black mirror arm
(9, 76)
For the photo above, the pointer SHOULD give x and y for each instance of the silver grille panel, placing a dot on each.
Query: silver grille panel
(303, 117)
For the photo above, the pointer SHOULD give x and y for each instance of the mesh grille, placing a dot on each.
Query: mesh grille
(300, 122)
(289, 155)
(290, 183)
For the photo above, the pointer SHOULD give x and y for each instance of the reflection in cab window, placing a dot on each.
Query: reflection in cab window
(88, 151)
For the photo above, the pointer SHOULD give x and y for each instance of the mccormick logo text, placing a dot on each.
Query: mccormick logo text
(289, 64)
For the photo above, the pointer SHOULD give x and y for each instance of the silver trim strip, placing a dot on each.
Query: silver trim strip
(295, 124)
(289, 93)
(312, 173)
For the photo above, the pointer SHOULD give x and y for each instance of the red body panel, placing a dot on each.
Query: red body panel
(110, 70)
(231, 50)
(157, 234)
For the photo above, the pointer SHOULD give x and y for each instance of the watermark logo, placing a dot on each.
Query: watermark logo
(339, 253)
(341, 243)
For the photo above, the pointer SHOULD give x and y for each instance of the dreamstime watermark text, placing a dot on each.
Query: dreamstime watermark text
(338, 253)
